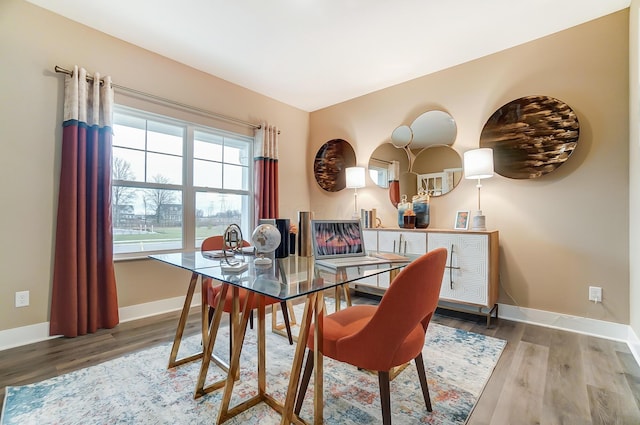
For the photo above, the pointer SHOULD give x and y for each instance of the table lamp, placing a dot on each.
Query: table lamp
(355, 179)
(478, 164)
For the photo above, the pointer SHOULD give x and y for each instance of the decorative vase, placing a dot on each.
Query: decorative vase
(304, 233)
(409, 220)
(403, 206)
(421, 209)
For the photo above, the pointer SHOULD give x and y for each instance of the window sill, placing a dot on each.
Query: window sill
(138, 256)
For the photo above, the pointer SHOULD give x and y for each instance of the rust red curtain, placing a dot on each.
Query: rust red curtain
(266, 172)
(84, 297)
(394, 182)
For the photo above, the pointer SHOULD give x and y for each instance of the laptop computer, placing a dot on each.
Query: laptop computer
(340, 243)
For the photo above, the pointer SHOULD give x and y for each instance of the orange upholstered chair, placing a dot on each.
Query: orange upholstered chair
(379, 338)
(215, 243)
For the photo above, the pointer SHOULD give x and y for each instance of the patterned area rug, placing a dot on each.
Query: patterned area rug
(139, 389)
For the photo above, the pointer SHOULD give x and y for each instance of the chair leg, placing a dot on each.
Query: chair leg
(423, 381)
(285, 315)
(304, 382)
(211, 312)
(251, 320)
(385, 397)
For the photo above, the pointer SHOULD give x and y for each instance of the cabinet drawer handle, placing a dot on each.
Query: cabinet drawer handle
(400, 240)
(451, 268)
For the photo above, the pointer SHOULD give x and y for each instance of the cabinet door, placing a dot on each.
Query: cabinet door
(402, 242)
(366, 281)
(371, 244)
(466, 277)
(370, 239)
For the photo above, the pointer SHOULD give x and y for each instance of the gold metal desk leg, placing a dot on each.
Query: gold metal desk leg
(344, 288)
(208, 349)
(225, 412)
(296, 367)
(204, 312)
(234, 365)
(347, 294)
(318, 396)
(173, 362)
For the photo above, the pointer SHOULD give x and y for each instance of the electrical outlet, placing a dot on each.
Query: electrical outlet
(22, 298)
(595, 294)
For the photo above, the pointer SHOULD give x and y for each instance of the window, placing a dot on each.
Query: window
(176, 183)
(379, 173)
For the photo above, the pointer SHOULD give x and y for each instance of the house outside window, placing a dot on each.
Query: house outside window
(175, 183)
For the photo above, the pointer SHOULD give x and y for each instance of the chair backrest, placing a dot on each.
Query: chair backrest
(411, 299)
(215, 243)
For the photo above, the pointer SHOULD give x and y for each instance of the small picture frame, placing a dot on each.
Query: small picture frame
(462, 220)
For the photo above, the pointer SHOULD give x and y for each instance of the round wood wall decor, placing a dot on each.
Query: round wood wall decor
(331, 160)
(531, 136)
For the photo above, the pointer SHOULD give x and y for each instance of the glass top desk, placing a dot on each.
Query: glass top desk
(285, 279)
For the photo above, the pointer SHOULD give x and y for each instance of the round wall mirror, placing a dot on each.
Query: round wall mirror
(401, 136)
(330, 162)
(438, 170)
(531, 136)
(381, 162)
(433, 128)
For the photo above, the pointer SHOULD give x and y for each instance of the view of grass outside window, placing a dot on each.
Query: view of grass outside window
(175, 183)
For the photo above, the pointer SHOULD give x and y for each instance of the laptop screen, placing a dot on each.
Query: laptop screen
(337, 238)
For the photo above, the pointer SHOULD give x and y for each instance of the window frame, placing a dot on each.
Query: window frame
(189, 192)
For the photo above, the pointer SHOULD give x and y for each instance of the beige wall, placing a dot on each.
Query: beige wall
(559, 233)
(32, 42)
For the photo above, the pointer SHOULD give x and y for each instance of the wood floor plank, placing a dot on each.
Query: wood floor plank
(602, 367)
(566, 399)
(537, 335)
(610, 408)
(486, 405)
(631, 374)
(521, 398)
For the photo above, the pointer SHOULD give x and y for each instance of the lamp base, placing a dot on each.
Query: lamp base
(479, 221)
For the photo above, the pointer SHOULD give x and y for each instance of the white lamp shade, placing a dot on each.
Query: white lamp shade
(478, 163)
(355, 177)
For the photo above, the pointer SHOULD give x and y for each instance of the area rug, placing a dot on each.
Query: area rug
(139, 389)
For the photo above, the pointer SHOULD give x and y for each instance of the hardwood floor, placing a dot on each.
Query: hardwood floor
(544, 376)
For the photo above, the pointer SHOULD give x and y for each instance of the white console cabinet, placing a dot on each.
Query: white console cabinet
(470, 281)
(397, 240)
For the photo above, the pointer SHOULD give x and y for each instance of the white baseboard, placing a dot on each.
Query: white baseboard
(140, 311)
(634, 345)
(24, 335)
(566, 322)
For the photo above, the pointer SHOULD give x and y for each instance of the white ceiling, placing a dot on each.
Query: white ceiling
(315, 53)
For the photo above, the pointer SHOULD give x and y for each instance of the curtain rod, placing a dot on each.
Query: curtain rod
(169, 101)
(381, 160)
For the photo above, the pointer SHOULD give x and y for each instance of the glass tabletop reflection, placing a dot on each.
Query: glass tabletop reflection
(284, 278)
